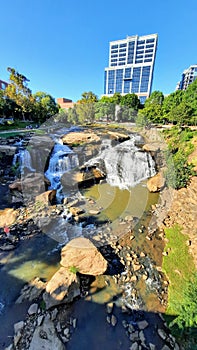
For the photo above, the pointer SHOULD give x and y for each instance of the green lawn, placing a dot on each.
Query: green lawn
(178, 265)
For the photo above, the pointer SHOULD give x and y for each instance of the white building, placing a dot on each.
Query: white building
(131, 65)
(188, 76)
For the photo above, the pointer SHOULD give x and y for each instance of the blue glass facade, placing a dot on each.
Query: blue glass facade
(131, 65)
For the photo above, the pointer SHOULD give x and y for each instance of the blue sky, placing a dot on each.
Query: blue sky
(62, 47)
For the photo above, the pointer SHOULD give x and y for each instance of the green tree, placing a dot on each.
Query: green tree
(104, 110)
(170, 102)
(130, 100)
(181, 114)
(88, 97)
(44, 106)
(153, 107)
(18, 91)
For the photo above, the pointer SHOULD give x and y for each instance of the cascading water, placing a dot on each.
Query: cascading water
(126, 165)
(23, 158)
(62, 160)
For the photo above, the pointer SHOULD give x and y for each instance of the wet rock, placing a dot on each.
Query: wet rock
(152, 346)
(142, 324)
(113, 320)
(165, 347)
(162, 334)
(18, 326)
(134, 346)
(94, 212)
(31, 291)
(45, 338)
(156, 183)
(33, 309)
(8, 217)
(63, 287)
(110, 307)
(84, 256)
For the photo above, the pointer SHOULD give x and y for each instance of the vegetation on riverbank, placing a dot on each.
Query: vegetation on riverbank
(179, 267)
(180, 147)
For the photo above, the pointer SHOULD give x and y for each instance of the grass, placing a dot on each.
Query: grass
(178, 265)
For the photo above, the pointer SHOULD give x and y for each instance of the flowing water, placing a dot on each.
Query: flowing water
(123, 193)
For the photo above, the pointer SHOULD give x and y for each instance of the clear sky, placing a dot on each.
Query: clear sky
(62, 46)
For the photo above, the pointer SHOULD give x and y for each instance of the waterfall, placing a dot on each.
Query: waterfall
(126, 164)
(23, 158)
(62, 160)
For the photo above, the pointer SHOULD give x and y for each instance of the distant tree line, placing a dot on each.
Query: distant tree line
(17, 101)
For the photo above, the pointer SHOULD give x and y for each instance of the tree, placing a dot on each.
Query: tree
(170, 102)
(18, 91)
(88, 97)
(130, 100)
(104, 110)
(181, 114)
(153, 107)
(44, 106)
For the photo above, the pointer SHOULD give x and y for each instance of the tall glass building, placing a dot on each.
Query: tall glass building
(131, 64)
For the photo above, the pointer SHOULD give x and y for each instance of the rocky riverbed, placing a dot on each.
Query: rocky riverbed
(120, 309)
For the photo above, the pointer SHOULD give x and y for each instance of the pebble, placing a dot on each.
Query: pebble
(113, 320)
(18, 326)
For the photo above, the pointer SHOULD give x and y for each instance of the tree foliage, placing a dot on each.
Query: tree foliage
(18, 101)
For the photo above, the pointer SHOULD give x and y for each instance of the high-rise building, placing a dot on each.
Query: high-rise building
(131, 64)
(188, 76)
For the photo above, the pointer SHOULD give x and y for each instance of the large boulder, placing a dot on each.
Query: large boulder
(156, 183)
(46, 198)
(75, 138)
(45, 338)
(81, 254)
(8, 217)
(63, 287)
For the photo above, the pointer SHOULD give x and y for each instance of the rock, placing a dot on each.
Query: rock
(54, 314)
(162, 334)
(94, 212)
(63, 287)
(76, 211)
(118, 136)
(74, 323)
(84, 256)
(134, 346)
(80, 137)
(156, 183)
(33, 309)
(110, 307)
(31, 291)
(46, 198)
(18, 326)
(142, 324)
(165, 347)
(152, 346)
(8, 217)
(45, 338)
(113, 320)
(66, 332)
(31, 185)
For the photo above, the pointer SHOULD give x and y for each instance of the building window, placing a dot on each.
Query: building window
(114, 46)
(127, 87)
(119, 80)
(142, 99)
(111, 81)
(150, 40)
(149, 46)
(123, 45)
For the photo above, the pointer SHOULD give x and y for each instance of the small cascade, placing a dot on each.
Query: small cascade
(126, 165)
(23, 158)
(62, 160)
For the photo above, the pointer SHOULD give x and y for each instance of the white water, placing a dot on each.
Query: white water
(126, 165)
(63, 159)
(23, 157)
